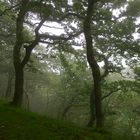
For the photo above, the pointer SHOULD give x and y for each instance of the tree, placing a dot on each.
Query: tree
(96, 95)
(18, 63)
(44, 10)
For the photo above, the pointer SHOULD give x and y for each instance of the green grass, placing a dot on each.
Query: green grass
(19, 124)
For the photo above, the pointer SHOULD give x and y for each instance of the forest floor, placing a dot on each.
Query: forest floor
(20, 124)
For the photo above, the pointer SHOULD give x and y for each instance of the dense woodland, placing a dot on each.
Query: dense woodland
(74, 60)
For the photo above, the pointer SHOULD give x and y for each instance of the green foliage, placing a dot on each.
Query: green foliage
(124, 115)
(73, 89)
(27, 36)
(137, 72)
(38, 7)
(78, 6)
(133, 8)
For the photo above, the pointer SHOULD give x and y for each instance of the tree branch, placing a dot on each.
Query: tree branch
(46, 42)
(30, 47)
(38, 28)
(8, 9)
(71, 14)
(110, 93)
(54, 37)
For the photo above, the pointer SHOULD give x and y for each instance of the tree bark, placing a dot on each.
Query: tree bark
(19, 74)
(19, 80)
(9, 84)
(92, 110)
(94, 67)
(18, 62)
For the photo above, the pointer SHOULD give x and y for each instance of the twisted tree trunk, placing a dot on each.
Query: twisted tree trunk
(96, 94)
(19, 74)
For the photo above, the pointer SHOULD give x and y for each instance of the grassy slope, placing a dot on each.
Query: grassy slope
(19, 124)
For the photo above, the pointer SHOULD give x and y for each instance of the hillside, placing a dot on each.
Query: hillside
(19, 124)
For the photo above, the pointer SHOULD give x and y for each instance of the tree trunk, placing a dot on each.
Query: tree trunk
(9, 84)
(19, 80)
(92, 110)
(18, 63)
(98, 101)
(94, 67)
